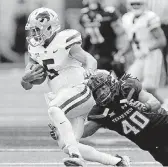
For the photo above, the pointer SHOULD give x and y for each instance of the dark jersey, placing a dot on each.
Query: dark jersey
(102, 19)
(140, 127)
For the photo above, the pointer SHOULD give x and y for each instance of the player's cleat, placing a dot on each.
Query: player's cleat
(125, 161)
(74, 160)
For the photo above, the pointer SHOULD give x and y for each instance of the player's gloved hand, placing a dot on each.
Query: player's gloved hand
(138, 105)
(53, 131)
(88, 73)
(33, 74)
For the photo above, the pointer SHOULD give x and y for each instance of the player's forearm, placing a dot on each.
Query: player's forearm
(90, 128)
(26, 85)
(88, 131)
(91, 62)
(149, 100)
(87, 60)
(125, 49)
(153, 104)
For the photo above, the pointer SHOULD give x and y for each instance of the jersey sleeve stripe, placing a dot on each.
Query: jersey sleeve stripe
(72, 37)
(67, 47)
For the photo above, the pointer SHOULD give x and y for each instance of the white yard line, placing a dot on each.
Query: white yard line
(58, 150)
(59, 163)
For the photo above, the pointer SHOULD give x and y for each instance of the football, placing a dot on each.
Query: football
(38, 81)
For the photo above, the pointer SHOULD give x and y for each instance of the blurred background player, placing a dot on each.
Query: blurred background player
(59, 53)
(147, 40)
(160, 8)
(101, 25)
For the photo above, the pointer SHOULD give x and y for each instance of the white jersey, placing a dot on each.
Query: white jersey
(139, 29)
(63, 70)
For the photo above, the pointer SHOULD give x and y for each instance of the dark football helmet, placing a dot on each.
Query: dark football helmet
(104, 87)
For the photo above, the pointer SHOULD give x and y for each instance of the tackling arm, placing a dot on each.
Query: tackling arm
(149, 100)
(88, 61)
(90, 128)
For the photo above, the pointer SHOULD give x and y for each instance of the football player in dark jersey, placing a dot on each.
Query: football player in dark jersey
(100, 26)
(123, 106)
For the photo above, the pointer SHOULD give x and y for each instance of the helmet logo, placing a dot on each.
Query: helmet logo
(43, 16)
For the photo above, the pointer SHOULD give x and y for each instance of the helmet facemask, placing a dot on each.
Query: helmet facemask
(35, 36)
(102, 95)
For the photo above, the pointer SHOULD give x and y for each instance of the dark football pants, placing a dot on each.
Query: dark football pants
(160, 154)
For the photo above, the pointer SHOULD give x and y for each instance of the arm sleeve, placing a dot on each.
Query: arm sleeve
(73, 38)
(153, 21)
(98, 114)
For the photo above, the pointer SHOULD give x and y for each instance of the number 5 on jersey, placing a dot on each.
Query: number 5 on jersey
(51, 72)
(136, 124)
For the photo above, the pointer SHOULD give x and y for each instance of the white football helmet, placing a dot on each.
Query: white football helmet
(42, 24)
(136, 6)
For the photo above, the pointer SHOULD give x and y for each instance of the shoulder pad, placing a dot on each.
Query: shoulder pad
(126, 16)
(72, 37)
(84, 10)
(149, 14)
(109, 9)
(153, 20)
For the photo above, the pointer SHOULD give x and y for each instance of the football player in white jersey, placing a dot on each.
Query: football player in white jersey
(147, 40)
(59, 53)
